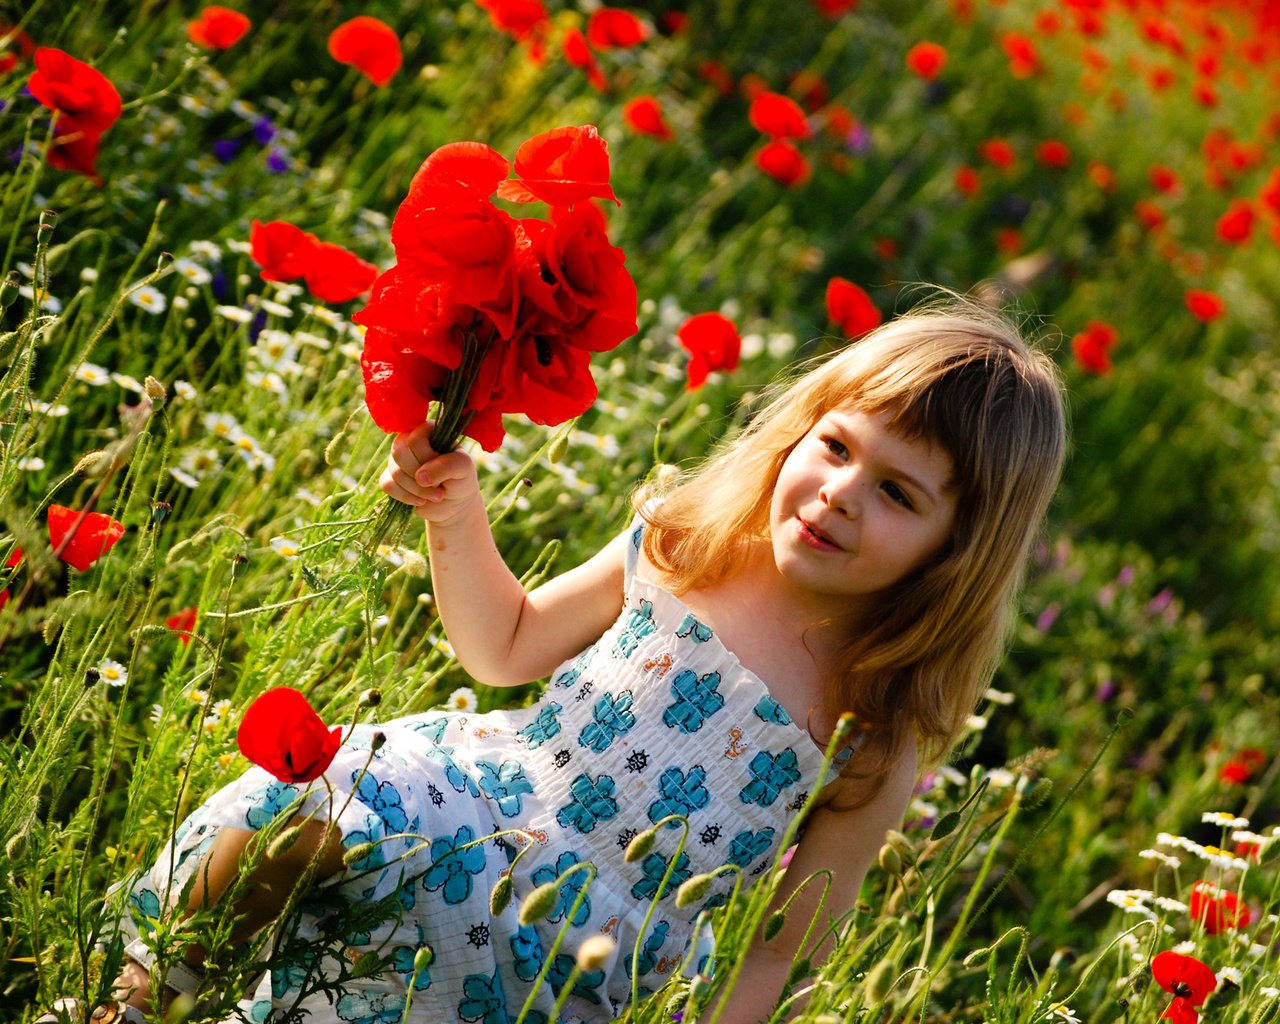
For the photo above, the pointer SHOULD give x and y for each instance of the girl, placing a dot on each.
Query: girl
(856, 548)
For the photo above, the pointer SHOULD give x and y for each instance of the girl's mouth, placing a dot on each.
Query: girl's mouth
(814, 539)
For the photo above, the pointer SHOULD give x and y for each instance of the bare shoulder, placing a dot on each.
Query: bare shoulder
(875, 796)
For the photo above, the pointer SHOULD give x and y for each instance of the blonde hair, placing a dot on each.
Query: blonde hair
(954, 374)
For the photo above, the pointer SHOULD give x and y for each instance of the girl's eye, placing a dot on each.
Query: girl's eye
(897, 494)
(835, 447)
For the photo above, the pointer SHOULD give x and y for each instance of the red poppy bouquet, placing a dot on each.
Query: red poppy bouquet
(487, 314)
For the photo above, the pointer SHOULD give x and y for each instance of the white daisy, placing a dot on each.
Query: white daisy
(128, 383)
(89, 274)
(150, 298)
(41, 296)
(1224, 819)
(1163, 858)
(236, 314)
(275, 308)
(30, 464)
(157, 714)
(270, 382)
(1230, 975)
(284, 547)
(1061, 1011)
(113, 673)
(183, 477)
(998, 697)
(462, 699)
(1131, 901)
(92, 373)
(193, 272)
(221, 424)
(50, 409)
(184, 389)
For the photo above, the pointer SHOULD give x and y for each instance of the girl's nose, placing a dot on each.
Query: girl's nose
(840, 493)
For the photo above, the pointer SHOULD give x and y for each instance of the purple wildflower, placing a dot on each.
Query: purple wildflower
(225, 150)
(277, 161)
(263, 130)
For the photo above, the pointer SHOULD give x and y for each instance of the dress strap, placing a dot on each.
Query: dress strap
(633, 549)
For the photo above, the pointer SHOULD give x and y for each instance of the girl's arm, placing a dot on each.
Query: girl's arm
(502, 635)
(845, 842)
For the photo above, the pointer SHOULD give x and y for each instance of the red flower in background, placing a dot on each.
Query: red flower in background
(526, 21)
(1236, 225)
(368, 44)
(779, 117)
(609, 27)
(785, 164)
(1217, 909)
(579, 55)
(643, 114)
(1092, 347)
(561, 167)
(998, 153)
(1054, 154)
(218, 28)
(283, 250)
(835, 8)
(1190, 981)
(282, 733)
(717, 76)
(81, 538)
(1204, 305)
(712, 341)
(851, 308)
(967, 180)
(85, 105)
(337, 275)
(1243, 765)
(1101, 175)
(19, 46)
(1024, 59)
(1150, 215)
(1163, 179)
(926, 60)
(182, 623)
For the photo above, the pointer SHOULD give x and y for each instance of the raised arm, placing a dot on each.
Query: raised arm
(845, 842)
(503, 635)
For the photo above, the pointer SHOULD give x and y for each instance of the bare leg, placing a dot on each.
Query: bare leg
(269, 883)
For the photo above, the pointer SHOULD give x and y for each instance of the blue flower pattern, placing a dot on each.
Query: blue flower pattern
(613, 718)
(655, 719)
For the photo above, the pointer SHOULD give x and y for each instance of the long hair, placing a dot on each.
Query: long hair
(954, 374)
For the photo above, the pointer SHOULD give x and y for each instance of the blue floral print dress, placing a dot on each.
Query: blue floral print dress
(656, 718)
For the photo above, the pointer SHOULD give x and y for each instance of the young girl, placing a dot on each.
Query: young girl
(856, 548)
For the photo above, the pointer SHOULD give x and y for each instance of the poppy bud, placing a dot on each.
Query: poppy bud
(500, 896)
(9, 290)
(48, 221)
(595, 952)
(378, 742)
(358, 853)
(558, 447)
(799, 970)
(879, 981)
(890, 861)
(163, 260)
(774, 925)
(155, 390)
(14, 847)
(371, 697)
(693, 890)
(538, 903)
(900, 843)
(422, 959)
(640, 845)
(284, 842)
(91, 676)
(160, 512)
(526, 481)
(93, 463)
(49, 631)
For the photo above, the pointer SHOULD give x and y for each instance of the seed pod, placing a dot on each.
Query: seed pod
(371, 697)
(558, 447)
(774, 925)
(284, 842)
(48, 221)
(879, 981)
(155, 390)
(890, 861)
(539, 903)
(595, 952)
(906, 850)
(500, 897)
(693, 890)
(378, 741)
(640, 845)
(422, 959)
(9, 290)
(358, 853)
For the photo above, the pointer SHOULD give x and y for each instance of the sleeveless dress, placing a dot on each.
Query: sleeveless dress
(655, 718)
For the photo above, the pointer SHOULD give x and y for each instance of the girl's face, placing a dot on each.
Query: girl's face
(856, 508)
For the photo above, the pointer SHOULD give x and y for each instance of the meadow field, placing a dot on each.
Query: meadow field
(188, 466)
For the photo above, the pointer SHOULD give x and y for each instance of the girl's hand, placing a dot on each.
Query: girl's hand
(439, 487)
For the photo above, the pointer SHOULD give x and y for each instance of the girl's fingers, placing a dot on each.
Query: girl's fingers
(449, 466)
(401, 485)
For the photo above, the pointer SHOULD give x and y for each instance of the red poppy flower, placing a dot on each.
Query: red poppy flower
(717, 76)
(467, 243)
(998, 153)
(967, 180)
(833, 9)
(851, 308)
(712, 341)
(1204, 305)
(1024, 60)
(218, 28)
(811, 87)
(15, 557)
(283, 250)
(81, 538)
(1009, 241)
(523, 20)
(282, 733)
(579, 55)
(1204, 93)
(1048, 23)
(85, 105)
(182, 623)
(926, 60)
(1269, 194)
(1101, 175)
(1150, 215)
(336, 274)
(368, 44)
(839, 122)
(1190, 981)
(398, 385)
(643, 114)
(1053, 153)
(1236, 225)
(609, 27)
(1218, 910)
(1092, 347)
(19, 47)
(561, 167)
(779, 117)
(783, 163)
(1162, 178)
